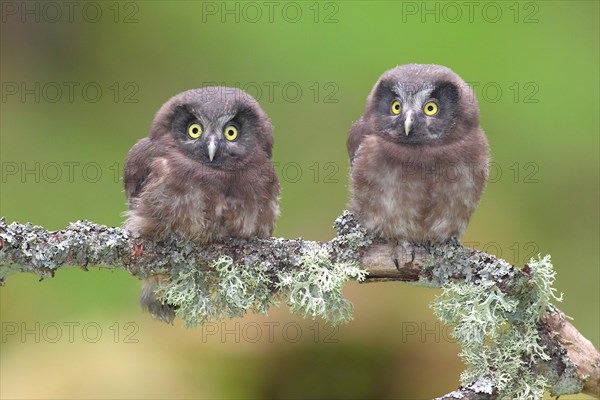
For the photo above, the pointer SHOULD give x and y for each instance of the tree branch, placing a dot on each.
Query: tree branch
(574, 365)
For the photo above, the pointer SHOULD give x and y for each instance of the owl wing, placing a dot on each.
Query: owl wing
(355, 138)
(137, 167)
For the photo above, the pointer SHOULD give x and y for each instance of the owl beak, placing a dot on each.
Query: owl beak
(408, 122)
(212, 147)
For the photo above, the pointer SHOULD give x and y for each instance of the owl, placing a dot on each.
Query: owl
(203, 173)
(418, 156)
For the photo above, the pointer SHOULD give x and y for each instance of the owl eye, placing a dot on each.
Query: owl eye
(396, 107)
(231, 133)
(194, 131)
(430, 108)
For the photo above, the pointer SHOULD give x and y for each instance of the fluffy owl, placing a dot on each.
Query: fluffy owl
(203, 173)
(418, 156)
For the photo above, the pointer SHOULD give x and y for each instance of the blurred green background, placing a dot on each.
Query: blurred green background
(535, 69)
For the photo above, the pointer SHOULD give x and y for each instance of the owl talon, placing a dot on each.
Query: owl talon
(395, 257)
(454, 241)
(430, 247)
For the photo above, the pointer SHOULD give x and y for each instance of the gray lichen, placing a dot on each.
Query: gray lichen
(225, 290)
(445, 263)
(351, 239)
(34, 249)
(482, 385)
(497, 331)
(316, 289)
(313, 288)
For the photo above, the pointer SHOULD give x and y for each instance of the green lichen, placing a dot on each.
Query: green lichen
(316, 289)
(228, 290)
(498, 332)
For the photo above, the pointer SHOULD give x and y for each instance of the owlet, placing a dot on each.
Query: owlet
(203, 173)
(418, 156)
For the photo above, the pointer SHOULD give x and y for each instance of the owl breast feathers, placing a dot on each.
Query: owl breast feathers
(204, 173)
(418, 156)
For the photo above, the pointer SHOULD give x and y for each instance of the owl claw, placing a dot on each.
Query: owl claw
(454, 241)
(403, 254)
(413, 254)
(395, 257)
(428, 246)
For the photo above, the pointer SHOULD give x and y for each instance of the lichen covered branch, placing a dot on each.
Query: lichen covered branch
(483, 295)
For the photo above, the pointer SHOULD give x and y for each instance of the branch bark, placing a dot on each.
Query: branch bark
(574, 366)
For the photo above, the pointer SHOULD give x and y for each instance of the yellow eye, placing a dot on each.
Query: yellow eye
(430, 108)
(396, 107)
(231, 133)
(194, 131)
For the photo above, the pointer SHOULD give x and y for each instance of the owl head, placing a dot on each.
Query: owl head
(217, 126)
(420, 104)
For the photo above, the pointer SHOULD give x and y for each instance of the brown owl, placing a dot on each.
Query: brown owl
(204, 173)
(418, 156)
